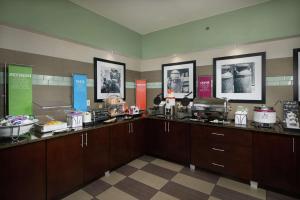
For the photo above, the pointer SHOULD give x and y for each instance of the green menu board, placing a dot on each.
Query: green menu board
(19, 90)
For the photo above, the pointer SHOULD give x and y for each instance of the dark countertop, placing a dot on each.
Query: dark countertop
(276, 129)
(35, 137)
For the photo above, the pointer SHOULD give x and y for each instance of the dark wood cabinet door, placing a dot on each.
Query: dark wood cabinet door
(297, 160)
(274, 161)
(96, 152)
(22, 172)
(177, 142)
(156, 135)
(137, 141)
(64, 165)
(119, 145)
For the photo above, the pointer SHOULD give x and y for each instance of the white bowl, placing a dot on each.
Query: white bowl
(15, 131)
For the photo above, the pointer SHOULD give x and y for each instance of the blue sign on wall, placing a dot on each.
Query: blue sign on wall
(80, 92)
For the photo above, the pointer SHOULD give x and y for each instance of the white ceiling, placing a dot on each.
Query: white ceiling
(146, 16)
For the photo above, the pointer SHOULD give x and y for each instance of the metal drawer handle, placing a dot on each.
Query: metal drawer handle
(218, 134)
(86, 140)
(81, 141)
(216, 149)
(165, 127)
(218, 165)
(132, 128)
(293, 145)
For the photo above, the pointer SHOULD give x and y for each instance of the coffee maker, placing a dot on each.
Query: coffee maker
(183, 107)
(170, 104)
(159, 106)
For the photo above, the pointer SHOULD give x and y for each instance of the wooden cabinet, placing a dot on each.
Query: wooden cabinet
(76, 159)
(119, 145)
(22, 172)
(227, 151)
(64, 164)
(96, 153)
(168, 140)
(297, 160)
(177, 142)
(274, 164)
(127, 142)
(156, 137)
(137, 140)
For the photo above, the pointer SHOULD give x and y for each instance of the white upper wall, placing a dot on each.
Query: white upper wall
(274, 49)
(26, 41)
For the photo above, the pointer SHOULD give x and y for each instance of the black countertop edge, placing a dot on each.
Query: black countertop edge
(37, 137)
(276, 129)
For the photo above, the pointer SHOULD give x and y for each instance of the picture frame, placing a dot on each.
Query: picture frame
(181, 77)
(296, 74)
(109, 79)
(240, 78)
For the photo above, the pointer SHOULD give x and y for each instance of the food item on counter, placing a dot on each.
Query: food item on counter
(54, 122)
(51, 126)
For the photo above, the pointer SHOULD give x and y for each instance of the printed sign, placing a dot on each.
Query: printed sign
(80, 92)
(19, 90)
(141, 94)
(204, 86)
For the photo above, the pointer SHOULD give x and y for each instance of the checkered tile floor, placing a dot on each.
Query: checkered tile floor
(156, 179)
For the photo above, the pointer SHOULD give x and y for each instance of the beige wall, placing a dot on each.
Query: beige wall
(58, 95)
(274, 67)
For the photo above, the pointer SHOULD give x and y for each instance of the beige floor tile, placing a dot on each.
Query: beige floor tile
(113, 178)
(79, 195)
(213, 198)
(149, 179)
(193, 183)
(163, 196)
(167, 165)
(138, 163)
(114, 193)
(242, 188)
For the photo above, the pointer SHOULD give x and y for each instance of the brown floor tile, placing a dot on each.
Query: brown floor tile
(96, 187)
(277, 196)
(226, 194)
(136, 189)
(205, 176)
(126, 170)
(147, 158)
(159, 171)
(182, 192)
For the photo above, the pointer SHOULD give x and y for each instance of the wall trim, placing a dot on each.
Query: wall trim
(47, 80)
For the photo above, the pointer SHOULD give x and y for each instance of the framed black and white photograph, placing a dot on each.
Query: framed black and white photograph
(240, 78)
(179, 77)
(109, 79)
(296, 83)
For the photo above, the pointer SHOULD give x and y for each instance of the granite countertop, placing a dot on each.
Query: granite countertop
(276, 129)
(34, 136)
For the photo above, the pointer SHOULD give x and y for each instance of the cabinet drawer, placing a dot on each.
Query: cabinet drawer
(221, 135)
(224, 152)
(231, 160)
